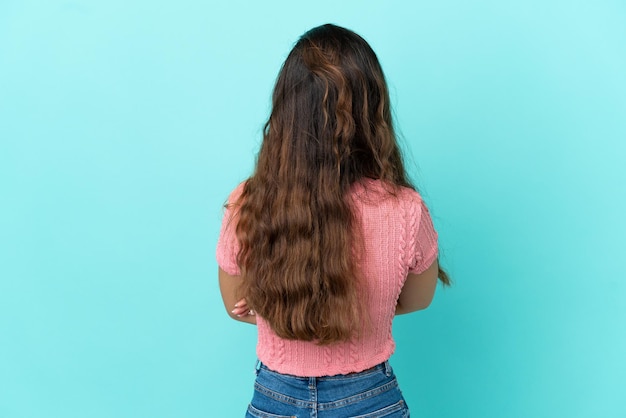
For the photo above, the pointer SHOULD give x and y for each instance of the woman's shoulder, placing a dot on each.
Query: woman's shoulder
(377, 191)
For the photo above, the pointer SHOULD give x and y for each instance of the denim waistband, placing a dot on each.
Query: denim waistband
(374, 390)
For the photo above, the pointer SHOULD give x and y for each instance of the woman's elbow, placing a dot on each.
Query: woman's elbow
(414, 307)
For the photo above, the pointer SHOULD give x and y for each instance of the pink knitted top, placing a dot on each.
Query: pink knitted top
(399, 238)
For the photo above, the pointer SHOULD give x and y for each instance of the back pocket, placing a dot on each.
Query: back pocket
(397, 410)
(257, 413)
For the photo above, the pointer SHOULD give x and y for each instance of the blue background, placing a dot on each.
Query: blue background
(124, 125)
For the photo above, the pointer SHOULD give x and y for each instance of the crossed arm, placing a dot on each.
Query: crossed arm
(418, 290)
(236, 308)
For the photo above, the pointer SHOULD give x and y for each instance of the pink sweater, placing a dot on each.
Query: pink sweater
(399, 239)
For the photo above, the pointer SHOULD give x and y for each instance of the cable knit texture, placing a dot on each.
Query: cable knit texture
(398, 238)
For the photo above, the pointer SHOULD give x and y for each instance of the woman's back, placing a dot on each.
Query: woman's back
(394, 237)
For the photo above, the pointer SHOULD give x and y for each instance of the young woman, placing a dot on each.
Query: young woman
(327, 240)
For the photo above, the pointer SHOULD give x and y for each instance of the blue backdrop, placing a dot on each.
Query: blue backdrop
(124, 125)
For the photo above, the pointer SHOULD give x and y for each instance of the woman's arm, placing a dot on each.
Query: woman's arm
(236, 308)
(418, 290)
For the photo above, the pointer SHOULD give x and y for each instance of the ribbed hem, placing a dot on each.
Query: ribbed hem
(305, 368)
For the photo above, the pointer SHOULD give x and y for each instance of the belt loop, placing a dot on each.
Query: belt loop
(257, 367)
(388, 370)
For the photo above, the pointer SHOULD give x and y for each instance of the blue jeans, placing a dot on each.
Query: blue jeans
(373, 393)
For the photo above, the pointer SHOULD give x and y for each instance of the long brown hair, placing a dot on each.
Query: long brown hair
(329, 127)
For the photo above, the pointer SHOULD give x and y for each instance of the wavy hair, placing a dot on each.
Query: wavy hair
(330, 126)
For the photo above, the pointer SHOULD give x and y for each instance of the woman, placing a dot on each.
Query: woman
(327, 240)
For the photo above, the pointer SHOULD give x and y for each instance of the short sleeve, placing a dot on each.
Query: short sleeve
(424, 237)
(227, 244)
